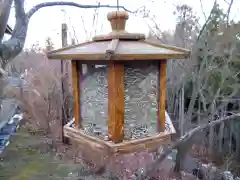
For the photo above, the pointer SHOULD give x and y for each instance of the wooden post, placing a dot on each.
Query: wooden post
(162, 95)
(76, 92)
(65, 76)
(64, 116)
(116, 101)
(76, 75)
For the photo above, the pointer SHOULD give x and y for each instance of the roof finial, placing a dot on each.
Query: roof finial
(118, 20)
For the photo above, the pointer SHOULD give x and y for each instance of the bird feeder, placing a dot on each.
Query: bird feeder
(119, 107)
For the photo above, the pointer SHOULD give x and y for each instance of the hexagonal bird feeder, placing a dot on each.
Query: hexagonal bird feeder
(119, 107)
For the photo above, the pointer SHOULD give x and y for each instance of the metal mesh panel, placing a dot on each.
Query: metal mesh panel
(140, 98)
(140, 84)
(94, 101)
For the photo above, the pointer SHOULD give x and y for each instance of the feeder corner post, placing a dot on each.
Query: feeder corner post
(76, 73)
(116, 101)
(162, 95)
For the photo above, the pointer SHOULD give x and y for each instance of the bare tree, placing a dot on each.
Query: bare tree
(11, 48)
(207, 85)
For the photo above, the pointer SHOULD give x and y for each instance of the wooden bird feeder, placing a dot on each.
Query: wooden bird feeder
(130, 116)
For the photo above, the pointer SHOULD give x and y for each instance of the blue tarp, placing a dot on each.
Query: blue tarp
(9, 108)
(8, 130)
(9, 121)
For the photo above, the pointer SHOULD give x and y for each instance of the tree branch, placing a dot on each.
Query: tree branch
(59, 3)
(11, 48)
(143, 175)
(206, 22)
(229, 10)
(204, 14)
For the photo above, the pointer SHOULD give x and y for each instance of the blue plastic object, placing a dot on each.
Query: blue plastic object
(7, 131)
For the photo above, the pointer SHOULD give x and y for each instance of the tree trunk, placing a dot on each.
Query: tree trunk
(5, 6)
(181, 112)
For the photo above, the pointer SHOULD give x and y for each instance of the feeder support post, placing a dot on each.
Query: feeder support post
(162, 95)
(76, 73)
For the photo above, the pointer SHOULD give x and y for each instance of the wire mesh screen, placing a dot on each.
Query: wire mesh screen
(140, 100)
(94, 101)
(141, 92)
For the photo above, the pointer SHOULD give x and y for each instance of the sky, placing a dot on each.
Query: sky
(47, 21)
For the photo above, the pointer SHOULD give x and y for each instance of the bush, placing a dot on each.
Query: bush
(40, 93)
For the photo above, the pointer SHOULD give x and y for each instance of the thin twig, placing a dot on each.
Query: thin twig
(204, 14)
(95, 15)
(59, 3)
(206, 22)
(96, 22)
(84, 28)
(228, 11)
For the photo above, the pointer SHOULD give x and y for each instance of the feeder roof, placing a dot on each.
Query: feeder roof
(119, 45)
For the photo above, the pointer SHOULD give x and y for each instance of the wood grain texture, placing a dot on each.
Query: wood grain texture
(127, 50)
(162, 95)
(116, 102)
(110, 148)
(85, 140)
(139, 145)
(116, 57)
(118, 20)
(169, 47)
(120, 36)
(111, 49)
(76, 92)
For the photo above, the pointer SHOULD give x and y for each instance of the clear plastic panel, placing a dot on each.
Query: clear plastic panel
(140, 100)
(141, 93)
(94, 101)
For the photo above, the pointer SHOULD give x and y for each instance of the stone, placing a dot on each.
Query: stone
(227, 175)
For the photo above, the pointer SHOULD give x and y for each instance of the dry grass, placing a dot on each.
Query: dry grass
(41, 96)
